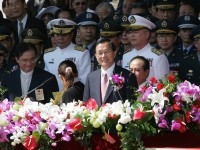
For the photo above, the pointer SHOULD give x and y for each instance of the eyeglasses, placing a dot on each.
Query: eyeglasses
(80, 3)
(25, 61)
(105, 53)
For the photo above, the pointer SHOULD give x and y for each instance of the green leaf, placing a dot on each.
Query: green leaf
(36, 135)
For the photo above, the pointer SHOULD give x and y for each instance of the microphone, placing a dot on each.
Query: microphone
(25, 95)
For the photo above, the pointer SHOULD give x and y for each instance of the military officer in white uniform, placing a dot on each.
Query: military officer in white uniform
(66, 50)
(139, 33)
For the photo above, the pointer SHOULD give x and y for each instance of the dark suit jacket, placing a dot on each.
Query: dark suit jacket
(13, 83)
(73, 93)
(93, 87)
(34, 9)
(190, 69)
(30, 23)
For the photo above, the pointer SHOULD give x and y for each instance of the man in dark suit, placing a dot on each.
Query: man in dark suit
(29, 80)
(190, 66)
(186, 24)
(24, 19)
(98, 86)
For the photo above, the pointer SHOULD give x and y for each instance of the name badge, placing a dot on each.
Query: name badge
(39, 94)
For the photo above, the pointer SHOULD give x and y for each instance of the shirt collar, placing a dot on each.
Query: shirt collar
(109, 71)
(26, 73)
(23, 20)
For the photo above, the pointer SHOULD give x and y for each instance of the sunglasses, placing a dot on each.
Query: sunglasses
(80, 3)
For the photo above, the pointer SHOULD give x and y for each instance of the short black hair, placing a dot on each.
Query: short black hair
(105, 40)
(23, 47)
(146, 65)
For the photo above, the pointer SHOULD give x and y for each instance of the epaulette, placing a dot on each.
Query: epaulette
(126, 51)
(49, 50)
(156, 51)
(79, 48)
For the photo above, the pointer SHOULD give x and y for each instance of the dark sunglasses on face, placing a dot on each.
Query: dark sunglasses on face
(80, 3)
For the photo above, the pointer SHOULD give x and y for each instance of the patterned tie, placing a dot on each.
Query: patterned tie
(20, 30)
(104, 86)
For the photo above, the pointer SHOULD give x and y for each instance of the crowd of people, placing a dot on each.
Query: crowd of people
(75, 46)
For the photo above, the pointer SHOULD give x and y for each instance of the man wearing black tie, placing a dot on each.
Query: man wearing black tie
(29, 80)
(98, 86)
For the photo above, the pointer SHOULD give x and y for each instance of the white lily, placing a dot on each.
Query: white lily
(158, 97)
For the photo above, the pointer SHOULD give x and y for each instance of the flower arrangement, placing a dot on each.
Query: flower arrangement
(175, 104)
(169, 105)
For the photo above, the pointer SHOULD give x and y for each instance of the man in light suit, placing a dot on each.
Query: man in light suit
(105, 54)
(29, 80)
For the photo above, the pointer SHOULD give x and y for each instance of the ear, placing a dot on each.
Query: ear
(179, 34)
(17, 59)
(175, 38)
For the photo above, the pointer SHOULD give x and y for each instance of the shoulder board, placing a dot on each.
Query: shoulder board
(126, 51)
(49, 50)
(156, 51)
(79, 48)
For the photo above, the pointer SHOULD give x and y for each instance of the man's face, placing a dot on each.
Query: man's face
(126, 7)
(80, 6)
(7, 43)
(136, 67)
(105, 55)
(166, 41)
(63, 40)
(125, 40)
(197, 44)
(1, 58)
(17, 8)
(102, 13)
(186, 10)
(166, 14)
(139, 38)
(87, 33)
(27, 61)
(116, 40)
(184, 34)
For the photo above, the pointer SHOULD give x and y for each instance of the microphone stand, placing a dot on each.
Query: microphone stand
(25, 96)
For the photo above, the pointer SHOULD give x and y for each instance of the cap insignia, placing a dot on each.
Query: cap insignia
(164, 24)
(88, 15)
(124, 18)
(106, 26)
(29, 32)
(132, 20)
(115, 17)
(187, 18)
(61, 23)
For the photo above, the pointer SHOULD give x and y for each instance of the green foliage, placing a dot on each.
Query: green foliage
(132, 137)
(2, 92)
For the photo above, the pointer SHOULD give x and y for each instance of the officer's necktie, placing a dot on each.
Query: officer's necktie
(104, 86)
(185, 51)
(20, 30)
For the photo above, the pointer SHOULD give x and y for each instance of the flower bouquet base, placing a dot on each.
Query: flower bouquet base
(98, 143)
(173, 139)
(61, 145)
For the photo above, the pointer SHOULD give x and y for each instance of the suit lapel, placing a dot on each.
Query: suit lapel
(18, 82)
(97, 82)
(109, 91)
(34, 80)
